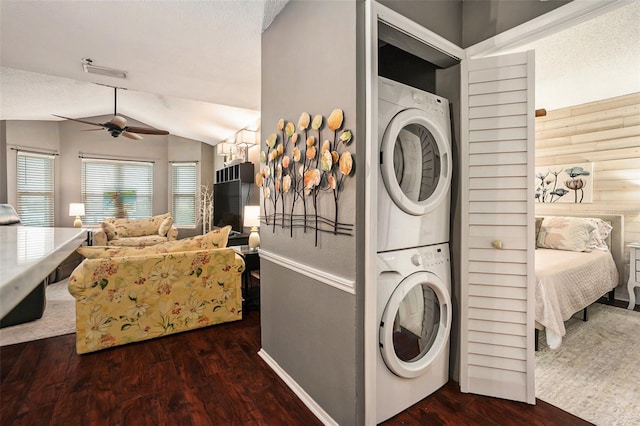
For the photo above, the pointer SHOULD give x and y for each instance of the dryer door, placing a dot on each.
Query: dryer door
(415, 162)
(415, 324)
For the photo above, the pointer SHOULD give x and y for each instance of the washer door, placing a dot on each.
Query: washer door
(415, 324)
(415, 159)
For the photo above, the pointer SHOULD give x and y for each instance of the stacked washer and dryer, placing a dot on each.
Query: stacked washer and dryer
(414, 275)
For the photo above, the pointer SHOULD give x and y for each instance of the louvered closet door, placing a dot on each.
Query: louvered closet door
(498, 284)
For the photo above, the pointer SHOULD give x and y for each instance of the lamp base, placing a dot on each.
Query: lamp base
(254, 238)
(77, 223)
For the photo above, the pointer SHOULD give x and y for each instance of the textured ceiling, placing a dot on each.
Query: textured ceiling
(193, 66)
(594, 60)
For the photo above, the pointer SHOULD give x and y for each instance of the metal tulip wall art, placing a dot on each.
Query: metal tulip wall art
(304, 170)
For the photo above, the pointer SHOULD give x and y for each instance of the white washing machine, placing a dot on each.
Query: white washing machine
(415, 167)
(414, 318)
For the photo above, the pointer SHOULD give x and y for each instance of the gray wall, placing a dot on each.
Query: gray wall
(309, 328)
(39, 136)
(73, 140)
(483, 19)
(471, 21)
(183, 149)
(69, 139)
(443, 17)
(322, 78)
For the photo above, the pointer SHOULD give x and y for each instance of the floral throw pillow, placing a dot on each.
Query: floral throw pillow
(211, 240)
(218, 238)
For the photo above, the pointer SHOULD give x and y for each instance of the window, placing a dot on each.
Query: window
(35, 186)
(112, 188)
(183, 191)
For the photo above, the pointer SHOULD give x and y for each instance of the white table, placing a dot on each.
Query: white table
(28, 255)
(634, 273)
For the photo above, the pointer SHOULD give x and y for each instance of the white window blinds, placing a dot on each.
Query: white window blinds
(35, 186)
(112, 188)
(183, 192)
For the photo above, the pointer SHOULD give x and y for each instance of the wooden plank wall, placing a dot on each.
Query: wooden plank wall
(606, 133)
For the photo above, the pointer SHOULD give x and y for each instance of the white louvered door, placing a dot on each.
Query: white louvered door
(498, 284)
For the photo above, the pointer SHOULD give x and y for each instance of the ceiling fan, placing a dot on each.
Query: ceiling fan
(118, 124)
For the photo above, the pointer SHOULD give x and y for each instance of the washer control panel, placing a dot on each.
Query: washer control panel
(409, 97)
(432, 255)
(429, 102)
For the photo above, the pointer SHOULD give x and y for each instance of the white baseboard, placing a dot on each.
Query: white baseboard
(306, 399)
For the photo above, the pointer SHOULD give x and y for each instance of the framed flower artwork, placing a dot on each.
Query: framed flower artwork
(569, 183)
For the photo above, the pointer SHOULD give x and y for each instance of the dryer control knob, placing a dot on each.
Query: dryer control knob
(416, 259)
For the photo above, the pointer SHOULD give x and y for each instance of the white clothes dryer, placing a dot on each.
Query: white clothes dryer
(414, 318)
(414, 134)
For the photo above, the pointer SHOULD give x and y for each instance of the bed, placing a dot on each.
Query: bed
(577, 263)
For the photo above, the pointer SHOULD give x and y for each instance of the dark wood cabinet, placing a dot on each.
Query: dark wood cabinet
(242, 172)
(230, 194)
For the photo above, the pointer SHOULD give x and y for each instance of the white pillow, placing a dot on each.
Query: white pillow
(597, 239)
(565, 233)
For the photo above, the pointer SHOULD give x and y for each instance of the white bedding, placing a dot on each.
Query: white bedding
(567, 282)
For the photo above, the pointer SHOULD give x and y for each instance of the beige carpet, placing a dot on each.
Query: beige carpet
(58, 319)
(595, 374)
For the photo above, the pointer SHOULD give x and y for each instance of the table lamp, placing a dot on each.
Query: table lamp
(77, 210)
(252, 220)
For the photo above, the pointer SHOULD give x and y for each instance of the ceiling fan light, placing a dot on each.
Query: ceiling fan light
(109, 72)
(119, 121)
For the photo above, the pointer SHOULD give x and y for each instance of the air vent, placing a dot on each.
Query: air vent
(87, 66)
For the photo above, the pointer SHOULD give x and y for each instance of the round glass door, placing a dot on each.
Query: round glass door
(416, 162)
(415, 324)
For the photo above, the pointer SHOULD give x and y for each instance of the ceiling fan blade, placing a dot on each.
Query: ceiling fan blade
(119, 121)
(131, 135)
(146, 130)
(92, 130)
(79, 121)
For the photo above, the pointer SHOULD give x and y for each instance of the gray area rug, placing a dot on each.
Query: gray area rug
(595, 373)
(59, 318)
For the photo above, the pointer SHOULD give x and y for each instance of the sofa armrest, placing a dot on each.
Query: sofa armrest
(239, 263)
(172, 235)
(99, 237)
(76, 279)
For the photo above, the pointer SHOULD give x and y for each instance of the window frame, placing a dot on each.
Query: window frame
(124, 182)
(46, 196)
(173, 196)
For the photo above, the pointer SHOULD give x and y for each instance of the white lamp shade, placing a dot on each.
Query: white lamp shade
(224, 148)
(252, 216)
(246, 137)
(76, 209)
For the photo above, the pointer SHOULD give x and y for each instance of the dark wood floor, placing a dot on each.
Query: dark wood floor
(211, 376)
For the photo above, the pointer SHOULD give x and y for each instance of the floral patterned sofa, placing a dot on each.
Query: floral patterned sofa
(127, 294)
(135, 232)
